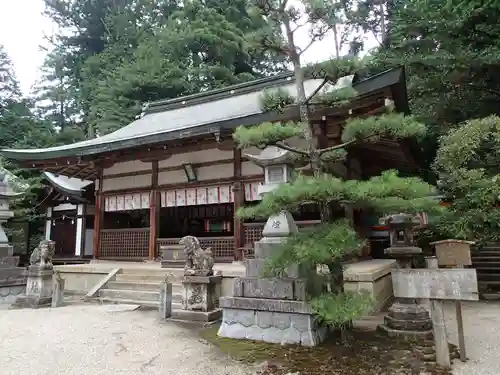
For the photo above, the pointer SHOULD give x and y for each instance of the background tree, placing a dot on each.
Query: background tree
(451, 51)
(467, 164)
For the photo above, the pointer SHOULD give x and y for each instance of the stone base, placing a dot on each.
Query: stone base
(201, 293)
(38, 288)
(9, 293)
(197, 316)
(272, 326)
(31, 302)
(404, 334)
(407, 319)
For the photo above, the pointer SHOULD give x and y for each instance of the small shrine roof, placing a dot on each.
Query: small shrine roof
(68, 185)
(200, 114)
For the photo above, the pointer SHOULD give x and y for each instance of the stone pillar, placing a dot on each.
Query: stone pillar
(58, 291)
(165, 300)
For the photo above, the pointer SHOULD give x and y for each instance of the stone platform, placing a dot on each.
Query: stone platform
(265, 320)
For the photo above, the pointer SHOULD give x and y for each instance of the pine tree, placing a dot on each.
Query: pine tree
(331, 243)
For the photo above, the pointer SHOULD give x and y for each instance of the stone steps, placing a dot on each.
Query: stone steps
(486, 261)
(140, 287)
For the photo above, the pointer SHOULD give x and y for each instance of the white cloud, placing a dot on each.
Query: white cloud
(23, 28)
(22, 31)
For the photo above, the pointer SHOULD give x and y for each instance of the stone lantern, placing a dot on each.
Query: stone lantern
(6, 194)
(406, 317)
(278, 169)
(401, 227)
(12, 278)
(271, 309)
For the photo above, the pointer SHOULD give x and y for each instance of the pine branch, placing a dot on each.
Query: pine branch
(337, 147)
(284, 146)
(266, 134)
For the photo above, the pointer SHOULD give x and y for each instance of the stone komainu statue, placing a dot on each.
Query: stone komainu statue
(199, 262)
(43, 254)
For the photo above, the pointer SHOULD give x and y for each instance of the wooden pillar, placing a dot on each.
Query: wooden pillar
(98, 218)
(80, 230)
(239, 200)
(154, 211)
(48, 224)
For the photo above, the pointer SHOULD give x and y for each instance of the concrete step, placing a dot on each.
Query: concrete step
(149, 277)
(488, 252)
(152, 304)
(137, 295)
(495, 283)
(153, 271)
(485, 258)
(131, 285)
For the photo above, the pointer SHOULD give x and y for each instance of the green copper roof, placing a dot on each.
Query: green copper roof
(193, 115)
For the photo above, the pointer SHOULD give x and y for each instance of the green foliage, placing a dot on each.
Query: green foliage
(467, 165)
(266, 133)
(391, 125)
(322, 245)
(384, 193)
(334, 98)
(275, 100)
(338, 310)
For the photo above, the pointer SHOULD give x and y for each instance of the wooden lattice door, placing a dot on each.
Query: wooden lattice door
(64, 234)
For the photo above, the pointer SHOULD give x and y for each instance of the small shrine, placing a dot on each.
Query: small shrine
(271, 309)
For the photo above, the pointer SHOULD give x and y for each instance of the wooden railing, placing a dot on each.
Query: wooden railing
(124, 243)
(222, 247)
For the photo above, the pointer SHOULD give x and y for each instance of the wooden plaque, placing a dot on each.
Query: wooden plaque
(452, 284)
(453, 252)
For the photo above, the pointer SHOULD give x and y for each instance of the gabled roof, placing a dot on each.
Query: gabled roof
(198, 114)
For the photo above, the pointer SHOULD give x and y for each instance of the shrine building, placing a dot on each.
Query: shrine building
(176, 170)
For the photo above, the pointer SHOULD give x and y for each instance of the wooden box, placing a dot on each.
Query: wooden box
(453, 252)
(172, 256)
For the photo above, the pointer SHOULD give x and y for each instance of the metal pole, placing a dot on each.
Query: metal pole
(438, 325)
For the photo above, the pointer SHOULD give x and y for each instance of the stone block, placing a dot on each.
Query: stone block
(302, 323)
(273, 288)
(264, 319)
(281, 320)
(273, 335)
(201, 293)
(291, 336)
(233, 331)
(408, 325)
(255, 268)
(261, 304)
(244, 317)
(165, 308)
(237, 290)
(58, 292)
(264, 248)
(254, 333)
(38, 288)
(408, 311)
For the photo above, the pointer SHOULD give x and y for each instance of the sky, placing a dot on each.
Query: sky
(23, 30)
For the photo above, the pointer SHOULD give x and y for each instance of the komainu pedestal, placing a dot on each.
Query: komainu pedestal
(200, 298)
(271, 309)
(201, 288)
(40, 273)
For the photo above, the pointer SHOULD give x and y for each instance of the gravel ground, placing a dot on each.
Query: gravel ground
(482, 337)
(103, 339)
